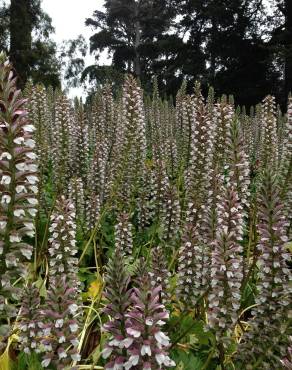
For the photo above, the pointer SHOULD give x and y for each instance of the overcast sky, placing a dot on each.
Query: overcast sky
(68, 19)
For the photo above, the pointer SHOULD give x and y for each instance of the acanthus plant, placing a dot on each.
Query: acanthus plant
(131, 147)
(266, 339)
(171, 214)
(226, 266)
(223, 116)
(123, 234)
(18, 186)
(269, 139)
(136, 316)
(149, 347)
(117, 293)
(63, 143)
(198, 173)
(59, 314)
(30, 332)
(159, 274)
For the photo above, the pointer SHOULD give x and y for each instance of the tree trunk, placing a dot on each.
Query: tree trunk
(288, 47)
(20, 38)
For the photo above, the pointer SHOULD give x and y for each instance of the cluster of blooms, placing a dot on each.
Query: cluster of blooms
(18, 189)
(149, 347)
(267, 338)
(30, 332)
(269, 144)
(92, 210)
(59, 324)
(171, 214)
(81, 143)
(137, 341)
(159, 186)
(226, 265)
(76, 194)
(144, 199)
(39, 115)
(123, 234)
(159, 273)
(62, 142)
(118, 295)
(201, 152)
(285, 172)
(224, 114)
(237, 163)
(131, 150)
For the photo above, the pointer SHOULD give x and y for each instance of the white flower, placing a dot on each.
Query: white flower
(29, 225)
(3, 224)
(76, 357)
(5, 155)
(28, 128)
(19, 212)
(21, 166)
(32, 201)
(6, 199)
(127, 342)
(73, 308)
(32, 167)
(32, 211)
(31, 155)
(62, 339)
(14, 238)
(20, 189)
(32, 179)
(46, 362)
(62, 354)
(145, 349)
(168, 362)
(59, 323)
(107, 351)
(149, 321)
(116, 343)
(162, 338)
(73, 327)
(26, 252)
(18, 140)
(160, 358)
(135, 333)
(26, 350)
(30, 143)
(30, 233)
(134, 359)
(6, 180)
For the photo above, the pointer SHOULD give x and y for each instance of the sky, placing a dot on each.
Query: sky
(68, 19)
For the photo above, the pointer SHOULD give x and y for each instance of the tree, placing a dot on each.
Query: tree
(229, 38)
(25, 33)
(21, 24)
(281, 43)
(137, 35)
(4, 26)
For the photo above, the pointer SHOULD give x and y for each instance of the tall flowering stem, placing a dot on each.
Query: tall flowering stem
(18, 188)
(226, 266)
(30, 331)
(267, 339)
(149, 347)
(117, 293)
(60, 325)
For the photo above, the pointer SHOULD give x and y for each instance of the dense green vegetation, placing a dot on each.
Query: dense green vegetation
(139, 234)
